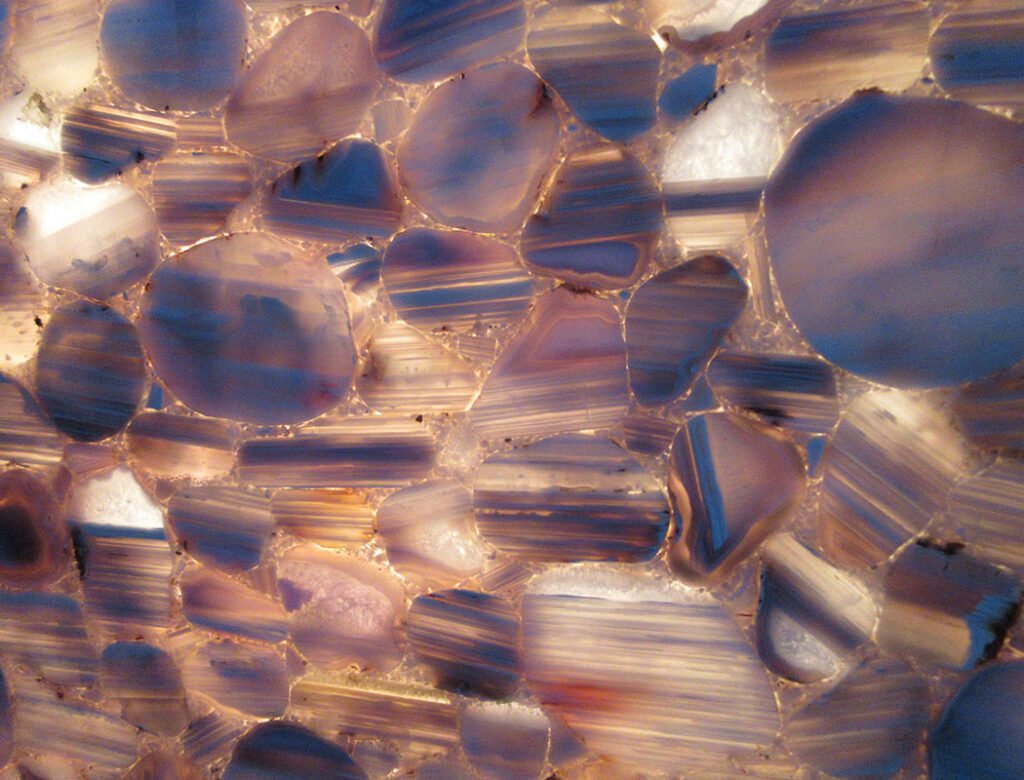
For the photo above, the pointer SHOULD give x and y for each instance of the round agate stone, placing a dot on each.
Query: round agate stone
(180, 54)
(894, 229)
(250, 328)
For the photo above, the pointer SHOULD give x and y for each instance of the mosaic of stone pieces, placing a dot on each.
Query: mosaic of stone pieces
(511, 389)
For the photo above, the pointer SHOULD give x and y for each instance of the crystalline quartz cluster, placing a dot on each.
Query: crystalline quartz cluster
(511, 389)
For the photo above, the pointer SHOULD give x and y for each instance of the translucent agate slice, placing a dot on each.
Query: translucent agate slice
(349, 190)
(96, 241)
(866, 725)
(570, 498)
(182, 54)
(981, 731)
(424, 42)
(34, 546)
(90, 372)
(675, 320)
(600, 222)
(470, 640)
(281, 749)
(310, 88)
(653, 676)
(565, 371)
(896, 254)
(732, 482)
(443, 280)
(148, 685)
(607, 73)
(250, 328)
(478, 147)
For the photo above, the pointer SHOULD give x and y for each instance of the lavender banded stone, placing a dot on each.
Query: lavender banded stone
(277, 749)
(605, 72)
(177, 54)
(675, 320)
(91, 373)
(600, 222)
(310, 88)
(425, 40)
(101, 141)
(148, 685)
(34, 547)
(897, 254)
(479, 146)
(445, 280)
(977, 53)
(349, 190)
(732, 482)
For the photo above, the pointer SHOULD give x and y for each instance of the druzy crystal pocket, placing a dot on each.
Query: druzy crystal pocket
(511, 389)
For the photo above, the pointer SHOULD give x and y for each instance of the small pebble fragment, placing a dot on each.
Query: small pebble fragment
(429, 533)
(505, 741)
(866, 725)
(444, 280)
(564, 371)
(341, 610)
(977, 53)
(942, 605)
(311, 87)
(355, 452)
(331, 518)
(790, 391)
(101, 141)
(404, 372)
(675, 320)
(195, 192)
(96, 241)
(423, 42)
(810, 615)
(469, 639)
(570, 498)
(90, 372)
(34, 547)
(890, 466)
(478, 148)
(600, 222)
(349, 190)
(249, 328)
(222, 526)
(732, 482)
(246, 677)
(173, 445)
(174, 55)
(148, 684)
(605, 72)
(278, 749)
(830, 53)
(216, 602)
(980, 735)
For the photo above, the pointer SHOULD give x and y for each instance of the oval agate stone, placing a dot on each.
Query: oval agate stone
(894, 229)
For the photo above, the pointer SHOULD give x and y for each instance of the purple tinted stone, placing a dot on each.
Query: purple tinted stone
(177, 54)
(426, 40)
